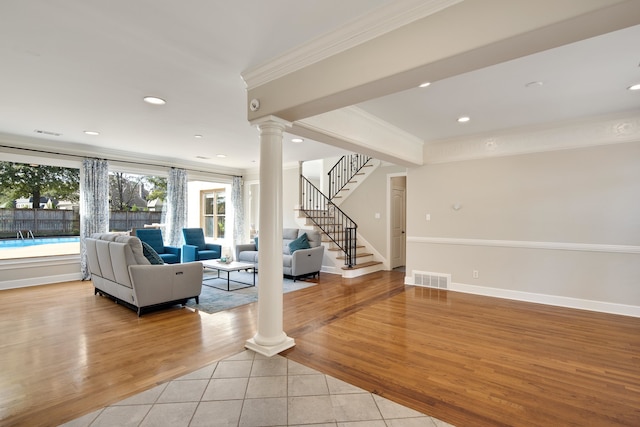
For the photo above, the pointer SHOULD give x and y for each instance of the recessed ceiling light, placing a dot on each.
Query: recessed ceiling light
(91, 132)
(464, 119)
(221, 156)
(634, 87)
(197, 136)
(425, 84)
(534, 84)
(297, 140)
(154, 100)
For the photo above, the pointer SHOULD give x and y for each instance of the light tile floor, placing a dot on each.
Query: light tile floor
(252, 390)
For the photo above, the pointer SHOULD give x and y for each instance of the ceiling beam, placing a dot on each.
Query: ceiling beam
(463, 37)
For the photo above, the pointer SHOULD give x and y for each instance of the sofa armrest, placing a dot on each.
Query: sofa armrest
(156, 284)
(214, 247)
(173, 250)
(189, 253)
(244, 247)
(305, 261)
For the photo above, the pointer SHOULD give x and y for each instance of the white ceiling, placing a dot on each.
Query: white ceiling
(73, 65)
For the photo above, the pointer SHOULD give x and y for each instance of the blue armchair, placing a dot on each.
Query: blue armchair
(153, 237)
(195, 248)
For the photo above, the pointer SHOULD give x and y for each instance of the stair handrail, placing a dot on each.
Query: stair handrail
(344, 170)
(312, 202)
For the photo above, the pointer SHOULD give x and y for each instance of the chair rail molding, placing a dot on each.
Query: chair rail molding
(563, 246)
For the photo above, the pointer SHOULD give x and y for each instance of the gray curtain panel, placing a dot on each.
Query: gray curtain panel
(174, 212)
(94, 205)
(237, 201)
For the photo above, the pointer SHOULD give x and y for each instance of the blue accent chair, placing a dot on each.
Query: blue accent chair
(153, 237)
(195, 248)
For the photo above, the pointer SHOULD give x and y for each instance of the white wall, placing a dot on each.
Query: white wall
(561, 227)
(369, 199)
(290, 196)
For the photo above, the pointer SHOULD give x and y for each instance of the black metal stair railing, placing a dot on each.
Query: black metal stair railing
(344, 170)
(329, 218)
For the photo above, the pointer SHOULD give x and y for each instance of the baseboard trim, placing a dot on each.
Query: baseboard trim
(560, 301)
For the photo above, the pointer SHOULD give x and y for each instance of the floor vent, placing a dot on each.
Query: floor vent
(431, 280)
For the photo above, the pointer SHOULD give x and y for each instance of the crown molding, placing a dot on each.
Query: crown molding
(586, 132)
(380, 21)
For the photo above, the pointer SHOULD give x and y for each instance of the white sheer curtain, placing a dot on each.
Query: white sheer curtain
(237, 201)
(174, 214)
(94, 205)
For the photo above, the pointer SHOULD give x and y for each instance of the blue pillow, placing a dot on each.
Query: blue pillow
(150, 254)
(301, 242)
(255, 239)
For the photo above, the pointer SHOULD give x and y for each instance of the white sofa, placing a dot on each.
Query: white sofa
(120, 270)
(302, 263)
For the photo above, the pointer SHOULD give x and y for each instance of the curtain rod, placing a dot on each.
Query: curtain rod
(113, 160)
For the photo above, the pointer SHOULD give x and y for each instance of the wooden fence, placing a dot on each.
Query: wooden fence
(59, 222)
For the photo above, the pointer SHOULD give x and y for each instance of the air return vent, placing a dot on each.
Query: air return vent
(47, 132)
(431, 280)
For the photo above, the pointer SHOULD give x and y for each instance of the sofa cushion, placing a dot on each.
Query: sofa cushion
(248, 256)
(289, 233)
(151, 254)
(170, 258)
(312, 235)
(134, 243)
(153, 237)
(301, 242)
(194, 237)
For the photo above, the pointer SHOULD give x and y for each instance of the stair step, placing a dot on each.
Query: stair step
(339, 250)
(358, 255)
(363, 265)
(331, 241)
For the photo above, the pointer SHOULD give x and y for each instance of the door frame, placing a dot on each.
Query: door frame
(387, 262)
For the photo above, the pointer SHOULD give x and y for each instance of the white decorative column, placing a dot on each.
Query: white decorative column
(270, 338)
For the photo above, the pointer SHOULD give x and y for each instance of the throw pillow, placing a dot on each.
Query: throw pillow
(301, 242)
(150, 254)
(255, 239)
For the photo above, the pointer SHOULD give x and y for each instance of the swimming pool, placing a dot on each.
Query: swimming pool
(23, 243)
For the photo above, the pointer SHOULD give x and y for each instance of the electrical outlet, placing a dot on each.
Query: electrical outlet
(428, 217)
(475, 274)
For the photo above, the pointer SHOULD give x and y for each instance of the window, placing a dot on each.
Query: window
(213, 219)
(39, 211)
(135, 200)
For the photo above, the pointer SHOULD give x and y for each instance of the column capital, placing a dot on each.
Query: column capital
(271, 121)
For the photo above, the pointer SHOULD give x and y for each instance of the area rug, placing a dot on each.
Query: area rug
(213, 299)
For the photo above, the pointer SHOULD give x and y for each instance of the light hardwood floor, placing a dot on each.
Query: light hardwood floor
(465, 359)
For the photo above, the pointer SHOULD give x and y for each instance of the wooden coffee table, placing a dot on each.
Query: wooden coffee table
(229, 267)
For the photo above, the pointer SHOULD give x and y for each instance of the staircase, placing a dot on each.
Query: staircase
(340, 234)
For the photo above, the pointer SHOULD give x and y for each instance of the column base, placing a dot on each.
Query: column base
(271, 350)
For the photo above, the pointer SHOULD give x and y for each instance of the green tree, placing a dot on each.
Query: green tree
(21, 180)
(158, 188)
